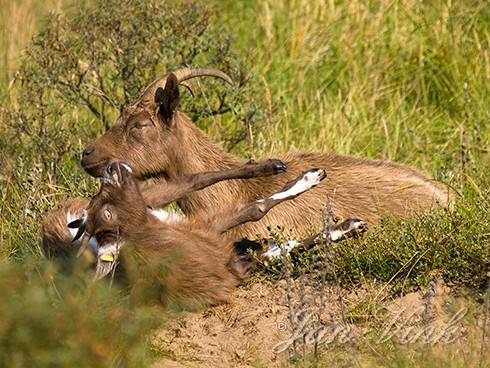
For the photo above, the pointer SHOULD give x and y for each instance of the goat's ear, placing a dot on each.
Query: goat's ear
(168, 99)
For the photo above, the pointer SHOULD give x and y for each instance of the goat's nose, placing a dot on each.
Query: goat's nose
(88, 151)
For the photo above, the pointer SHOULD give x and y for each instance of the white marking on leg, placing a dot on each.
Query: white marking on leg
(112, 179)
(308, 181)
(115, 179)
(165, 216)
(354, 226)
(275, 251)
(336, 235)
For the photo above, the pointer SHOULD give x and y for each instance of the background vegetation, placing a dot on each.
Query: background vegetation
(400, 80)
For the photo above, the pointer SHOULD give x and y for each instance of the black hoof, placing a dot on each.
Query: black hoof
(323, 173)
(353, 225)
(112, 167)
(279, 166)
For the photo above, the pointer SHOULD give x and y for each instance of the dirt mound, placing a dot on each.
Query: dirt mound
(263, 319)
(236, 334)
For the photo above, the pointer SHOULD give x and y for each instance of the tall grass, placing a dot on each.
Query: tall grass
(399, 80)
(19, 20)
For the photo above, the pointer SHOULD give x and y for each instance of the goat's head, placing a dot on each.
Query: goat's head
(145, 132)
(114, 213)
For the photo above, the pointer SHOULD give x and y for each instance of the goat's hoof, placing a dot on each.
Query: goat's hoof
(112, 168)
(117, 173)
(314, 176)
(279, 166)
(353, 227)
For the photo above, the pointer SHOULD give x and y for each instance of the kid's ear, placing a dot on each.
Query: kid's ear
(168, 98)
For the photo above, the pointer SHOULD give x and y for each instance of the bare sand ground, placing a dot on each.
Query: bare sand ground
(257, 324)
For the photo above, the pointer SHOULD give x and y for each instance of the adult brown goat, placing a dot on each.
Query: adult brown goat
(187, 259)
(156, 139)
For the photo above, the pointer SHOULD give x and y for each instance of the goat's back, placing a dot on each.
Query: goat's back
(354, 187)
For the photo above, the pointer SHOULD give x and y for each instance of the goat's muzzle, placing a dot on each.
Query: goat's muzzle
(95, 169)
(104, 268)
(107, 260)
(93, 162)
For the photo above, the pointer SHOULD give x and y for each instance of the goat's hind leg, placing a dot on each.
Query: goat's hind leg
(254, 211)
(349, 228)
(245, 262)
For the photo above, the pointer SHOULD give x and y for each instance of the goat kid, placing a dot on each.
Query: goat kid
(59, 241)
(157, 140)
(189, 259)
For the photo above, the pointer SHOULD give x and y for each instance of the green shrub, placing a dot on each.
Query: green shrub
(447, 245)
(52, 320)
(80, 71)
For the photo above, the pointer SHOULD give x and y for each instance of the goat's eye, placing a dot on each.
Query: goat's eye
(107, 215)
(141, 124)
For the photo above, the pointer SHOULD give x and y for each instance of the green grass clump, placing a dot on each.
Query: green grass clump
(49, 319)
(452, 245)
(399, 80)
(446, 244)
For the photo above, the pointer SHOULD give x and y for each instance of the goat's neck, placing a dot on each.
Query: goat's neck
(196, 152)
(140, 229)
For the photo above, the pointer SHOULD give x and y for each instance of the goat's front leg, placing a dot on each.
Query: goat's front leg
(162, 194)
(254, 211)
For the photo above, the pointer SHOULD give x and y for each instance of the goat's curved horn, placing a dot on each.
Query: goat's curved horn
(188, 86)
(183, 75)
(187, 73)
